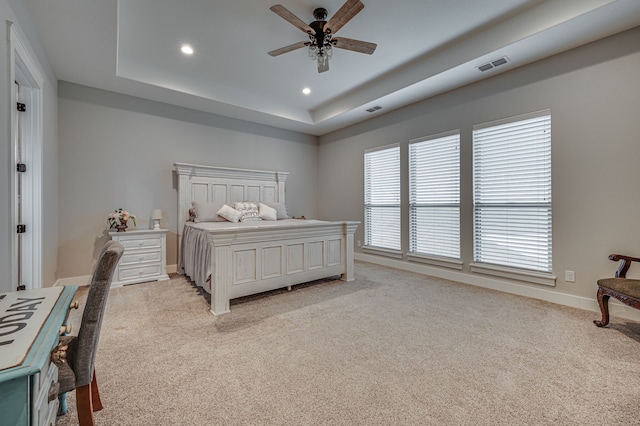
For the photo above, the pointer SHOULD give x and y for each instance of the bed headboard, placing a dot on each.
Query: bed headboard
(225, 185)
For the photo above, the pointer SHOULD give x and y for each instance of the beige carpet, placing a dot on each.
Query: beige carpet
(391, 348)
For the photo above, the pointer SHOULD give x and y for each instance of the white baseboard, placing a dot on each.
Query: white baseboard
(615, 308)
(85, 279)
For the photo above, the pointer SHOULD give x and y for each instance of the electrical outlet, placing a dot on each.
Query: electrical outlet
(570, 276)
(359, 243)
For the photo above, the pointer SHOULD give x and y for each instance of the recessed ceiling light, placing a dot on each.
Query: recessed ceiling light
(186, 49)
(306, 90)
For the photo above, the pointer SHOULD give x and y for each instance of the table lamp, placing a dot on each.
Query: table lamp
(156, 215)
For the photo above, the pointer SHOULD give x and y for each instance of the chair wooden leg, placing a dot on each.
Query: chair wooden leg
(603, 301)
(88, 401)
(85, 407)
(95, 394)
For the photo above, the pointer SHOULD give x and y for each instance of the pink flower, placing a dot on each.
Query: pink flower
(120, 216)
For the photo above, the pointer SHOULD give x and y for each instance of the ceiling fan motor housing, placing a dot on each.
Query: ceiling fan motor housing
(321, 38)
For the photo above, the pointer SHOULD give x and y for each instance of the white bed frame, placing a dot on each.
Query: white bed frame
(250, 261)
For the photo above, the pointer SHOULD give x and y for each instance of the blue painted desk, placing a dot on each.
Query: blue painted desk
(30, 326)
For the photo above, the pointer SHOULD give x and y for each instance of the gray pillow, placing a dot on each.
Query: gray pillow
(207, 212)
(281, 210)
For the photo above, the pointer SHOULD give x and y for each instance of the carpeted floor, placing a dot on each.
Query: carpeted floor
(391, 348)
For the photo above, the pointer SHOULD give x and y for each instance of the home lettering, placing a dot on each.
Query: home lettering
(13, 322)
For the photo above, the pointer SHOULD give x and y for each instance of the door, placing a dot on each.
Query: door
(27, 166)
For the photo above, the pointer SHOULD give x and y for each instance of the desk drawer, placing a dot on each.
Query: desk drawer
(43, 409)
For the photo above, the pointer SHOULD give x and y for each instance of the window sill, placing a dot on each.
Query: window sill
(515, 274)
(397, 254)
(444, 262)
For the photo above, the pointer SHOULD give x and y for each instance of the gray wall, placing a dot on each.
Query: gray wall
(594, 96)
(118, 151)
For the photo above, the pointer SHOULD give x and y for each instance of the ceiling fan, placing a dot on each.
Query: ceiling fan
(321, 40)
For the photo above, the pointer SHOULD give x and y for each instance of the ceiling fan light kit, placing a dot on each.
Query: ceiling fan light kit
(321, 41)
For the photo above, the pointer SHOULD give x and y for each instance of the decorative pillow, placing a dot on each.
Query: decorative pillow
(281, 209)
(268, 213)
(206, 212)
(229, 213)
(249, 209)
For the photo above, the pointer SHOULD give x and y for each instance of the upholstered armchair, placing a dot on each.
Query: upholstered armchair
(622, 288)
(77, 372)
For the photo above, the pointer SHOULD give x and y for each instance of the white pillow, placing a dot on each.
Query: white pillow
(249, 210)
(281, 209)
(229, 213)
(206, 212)
(268, 213)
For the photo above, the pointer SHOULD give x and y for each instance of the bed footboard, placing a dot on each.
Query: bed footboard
(253, 261)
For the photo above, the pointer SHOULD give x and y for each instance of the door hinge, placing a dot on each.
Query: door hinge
(22, 107)
(22, 228)
(22, 167)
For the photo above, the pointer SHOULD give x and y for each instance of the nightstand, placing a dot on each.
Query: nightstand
(144, 257)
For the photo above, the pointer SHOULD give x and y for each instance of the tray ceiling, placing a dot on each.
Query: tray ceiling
(424, 48)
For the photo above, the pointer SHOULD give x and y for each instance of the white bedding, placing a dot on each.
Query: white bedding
(195, 258)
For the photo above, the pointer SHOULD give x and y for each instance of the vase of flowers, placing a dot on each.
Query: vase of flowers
(119, 218)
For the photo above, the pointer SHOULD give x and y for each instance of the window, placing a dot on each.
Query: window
(512, 192)
(382, 198)
(434, 195)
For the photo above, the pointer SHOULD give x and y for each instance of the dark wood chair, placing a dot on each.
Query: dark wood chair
(77, 372)
(622, 288)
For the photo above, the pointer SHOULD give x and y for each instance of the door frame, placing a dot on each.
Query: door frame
(25, 69)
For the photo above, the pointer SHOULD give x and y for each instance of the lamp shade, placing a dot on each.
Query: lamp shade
(156, 214)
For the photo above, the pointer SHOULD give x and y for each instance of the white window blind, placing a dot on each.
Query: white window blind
(434, 196)
(382, 198)
(512, 192)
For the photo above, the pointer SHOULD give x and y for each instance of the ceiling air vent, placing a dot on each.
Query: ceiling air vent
(374, 109)
(499, 62)
(493, 64)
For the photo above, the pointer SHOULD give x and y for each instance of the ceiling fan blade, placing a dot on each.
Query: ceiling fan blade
(343, 15)
(280, 10)
(355, 45)
(289, 48)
